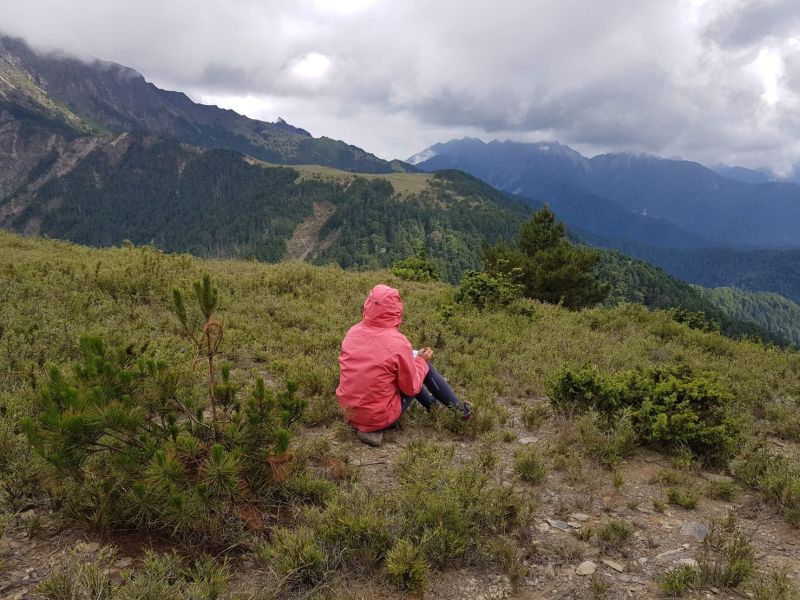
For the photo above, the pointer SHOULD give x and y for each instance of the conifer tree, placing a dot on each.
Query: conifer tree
(207, 338)
(551, 268)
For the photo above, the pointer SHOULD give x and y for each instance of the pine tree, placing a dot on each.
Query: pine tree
(552, 269)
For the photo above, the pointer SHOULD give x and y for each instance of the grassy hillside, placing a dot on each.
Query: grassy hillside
(349, 518)
(636, 281)
(216, 203)
(771, 311)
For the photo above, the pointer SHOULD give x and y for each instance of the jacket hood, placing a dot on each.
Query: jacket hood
(383, 307)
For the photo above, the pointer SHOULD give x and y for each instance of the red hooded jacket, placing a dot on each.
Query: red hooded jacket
(377, 363)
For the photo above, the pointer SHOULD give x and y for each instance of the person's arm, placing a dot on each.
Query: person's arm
(410, 371)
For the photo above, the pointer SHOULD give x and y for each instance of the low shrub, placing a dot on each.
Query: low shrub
(449, 507)
(669, 408)
(775, 477)
(509, 557)
(529, 464)
(679, 580)
(614, 533)
(607, 441)
(775, 584)
(161, 577)
(721, 490)
(295, 554)
(726, 558)
(407, 566)
(488, 290)
(682, 497)
(534, 414)
(131, 445)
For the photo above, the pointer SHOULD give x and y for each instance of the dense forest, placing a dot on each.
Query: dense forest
(452, 219)
(770, 311)
(214, 203)
(639, 282)
(756, 270)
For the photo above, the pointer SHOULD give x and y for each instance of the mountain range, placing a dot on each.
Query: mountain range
(102, 97)
(93, 153)
(696, 223)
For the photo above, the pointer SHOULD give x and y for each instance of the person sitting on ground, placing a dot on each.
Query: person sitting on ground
(380, 373)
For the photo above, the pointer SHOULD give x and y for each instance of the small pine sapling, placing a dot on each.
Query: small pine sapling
(205, 335)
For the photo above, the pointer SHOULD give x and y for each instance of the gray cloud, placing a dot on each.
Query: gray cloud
(710, 80)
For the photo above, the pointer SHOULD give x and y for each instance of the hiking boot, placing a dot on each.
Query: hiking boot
(371, 438)
(467, 411)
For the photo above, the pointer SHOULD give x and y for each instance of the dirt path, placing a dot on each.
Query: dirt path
(305, 239)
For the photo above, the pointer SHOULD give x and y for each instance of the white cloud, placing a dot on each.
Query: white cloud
(310, 70)
(710, 80)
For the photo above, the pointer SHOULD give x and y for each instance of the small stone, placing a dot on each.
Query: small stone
(716, 477)
(685, 546)
(528, 439)
(574, 524)
(543, 527)
(87, 547)
(670, 555)
(587, 567)
(617, 566)
(558, 524)
(579, 517)
(694, 529)
(124, 562)
(28, 515)
(642, 561)
(690, 562)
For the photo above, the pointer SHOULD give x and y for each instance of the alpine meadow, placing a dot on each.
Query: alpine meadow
(181, 285)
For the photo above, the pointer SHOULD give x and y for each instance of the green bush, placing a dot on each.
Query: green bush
(614, 533)
(529, 464)
(669, 408)
(448, 507)
(534, 414)
(416, 268)
(295, 554)
(678, 580)
(774, 476)
(407, 566)
(485, 290)
(131, 445)
(607, 440)
(726, 558)
(510, 557)
(682, 497)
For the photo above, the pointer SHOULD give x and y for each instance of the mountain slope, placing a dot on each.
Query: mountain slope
(118, 99)
(770, 311)
(709, 209)
(639, 282)
(183, 198)
(754, 270)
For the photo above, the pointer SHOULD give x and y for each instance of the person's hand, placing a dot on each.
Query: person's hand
(426, 353)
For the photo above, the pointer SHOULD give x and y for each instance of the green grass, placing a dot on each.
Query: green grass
(403, 183)
(286, 321)
(683, 497)
(679, 580)
(530, 465)
(614, 533)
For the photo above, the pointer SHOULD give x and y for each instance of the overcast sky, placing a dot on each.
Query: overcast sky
(708, 80)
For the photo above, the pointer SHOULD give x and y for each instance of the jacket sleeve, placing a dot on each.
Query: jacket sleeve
(411, 371)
